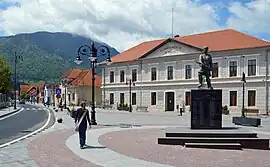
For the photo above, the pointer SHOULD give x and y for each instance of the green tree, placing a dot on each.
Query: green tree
(5, 76)
(23, 96)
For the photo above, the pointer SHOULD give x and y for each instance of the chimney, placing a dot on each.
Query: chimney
(176, 36)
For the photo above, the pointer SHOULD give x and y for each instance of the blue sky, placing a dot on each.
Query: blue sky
(51, 15)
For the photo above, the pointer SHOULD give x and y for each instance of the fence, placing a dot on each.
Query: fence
(3, 101)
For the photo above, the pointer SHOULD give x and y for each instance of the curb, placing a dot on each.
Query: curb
(50, 122)
(7, 114)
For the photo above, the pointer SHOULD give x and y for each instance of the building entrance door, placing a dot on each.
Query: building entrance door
(169, 101)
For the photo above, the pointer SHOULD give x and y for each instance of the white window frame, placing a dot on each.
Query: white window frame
(256, 98)
(150, 66)
(192, 71)
(108, 74)
(137, 73)
(113, 76)
(167, 64)
(125, 74)
(229, 98)
(151, 98)
(251, 57)
(238, 67)
(216, 61)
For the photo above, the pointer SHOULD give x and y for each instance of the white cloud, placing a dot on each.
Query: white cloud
(120, 23)
(251, 16)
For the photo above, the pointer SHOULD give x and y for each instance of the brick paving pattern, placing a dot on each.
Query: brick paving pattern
(51, 150)
(142, 144)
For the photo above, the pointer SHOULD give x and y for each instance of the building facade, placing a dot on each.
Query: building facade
(34, 92)
(79, 88)
(165, 72)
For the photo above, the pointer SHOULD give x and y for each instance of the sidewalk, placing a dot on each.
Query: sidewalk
(8, 111)
(112, 145)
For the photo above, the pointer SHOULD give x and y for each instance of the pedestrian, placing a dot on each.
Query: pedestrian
(81, 118)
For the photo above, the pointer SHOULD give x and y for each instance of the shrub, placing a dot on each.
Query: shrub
(225, 110)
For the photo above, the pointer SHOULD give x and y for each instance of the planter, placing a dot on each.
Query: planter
(245, 121)
(226, 112)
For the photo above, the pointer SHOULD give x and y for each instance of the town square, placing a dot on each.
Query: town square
(172, 91)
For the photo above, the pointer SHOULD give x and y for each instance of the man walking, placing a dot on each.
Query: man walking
(81, 118)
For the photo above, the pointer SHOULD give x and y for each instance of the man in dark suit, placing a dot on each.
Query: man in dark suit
(83, 125)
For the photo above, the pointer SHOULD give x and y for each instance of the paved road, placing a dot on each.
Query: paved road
(28, 120)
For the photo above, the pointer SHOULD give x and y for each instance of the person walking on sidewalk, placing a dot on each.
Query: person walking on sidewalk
(81, 118)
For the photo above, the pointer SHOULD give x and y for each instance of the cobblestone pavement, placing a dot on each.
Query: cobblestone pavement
(142, 144)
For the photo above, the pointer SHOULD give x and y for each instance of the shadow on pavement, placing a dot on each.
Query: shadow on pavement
(93, 147)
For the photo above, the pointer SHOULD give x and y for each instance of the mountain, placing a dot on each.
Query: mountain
(46, 55)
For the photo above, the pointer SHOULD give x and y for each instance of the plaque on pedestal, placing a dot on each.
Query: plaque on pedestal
(206, 109)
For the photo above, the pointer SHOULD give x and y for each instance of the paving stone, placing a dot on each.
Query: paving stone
(50, 146)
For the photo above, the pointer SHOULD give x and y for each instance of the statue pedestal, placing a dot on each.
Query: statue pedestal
(206, 109)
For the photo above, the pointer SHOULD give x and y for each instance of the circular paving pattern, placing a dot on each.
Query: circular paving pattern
(142, 144)
(51, 150)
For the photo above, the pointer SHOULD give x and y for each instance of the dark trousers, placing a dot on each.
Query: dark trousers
(82, 135)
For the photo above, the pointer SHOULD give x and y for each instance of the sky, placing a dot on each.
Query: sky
(126, 23)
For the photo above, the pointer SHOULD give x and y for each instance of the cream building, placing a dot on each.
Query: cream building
(79, 88)
(165, 71)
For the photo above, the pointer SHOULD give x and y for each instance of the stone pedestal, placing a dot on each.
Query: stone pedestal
(206, 109)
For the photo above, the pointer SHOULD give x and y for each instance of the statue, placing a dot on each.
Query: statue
(205, 62)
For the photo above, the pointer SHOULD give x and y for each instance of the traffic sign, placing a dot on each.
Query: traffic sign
(58, 91)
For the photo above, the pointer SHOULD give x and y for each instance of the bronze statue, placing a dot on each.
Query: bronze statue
(205, 62)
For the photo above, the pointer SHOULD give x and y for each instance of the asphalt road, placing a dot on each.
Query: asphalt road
(22, 123)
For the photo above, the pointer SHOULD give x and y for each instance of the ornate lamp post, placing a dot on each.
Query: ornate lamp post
(65, 83)
(92, 52)
(16, 59)
(129, 82)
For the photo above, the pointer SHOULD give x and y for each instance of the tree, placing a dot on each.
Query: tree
(23, 96)
(5, 76)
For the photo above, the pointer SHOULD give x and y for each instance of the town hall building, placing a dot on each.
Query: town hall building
(165, 71)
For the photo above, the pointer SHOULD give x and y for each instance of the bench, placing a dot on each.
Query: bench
(251, 111)
(107, 106)
(142, 109)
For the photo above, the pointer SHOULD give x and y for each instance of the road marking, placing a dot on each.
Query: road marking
(12, 114)
(30, 134)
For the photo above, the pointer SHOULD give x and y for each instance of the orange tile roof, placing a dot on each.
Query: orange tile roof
(216, 41)
(136, 51)
(25, 87)
(223, 40)
(72, 73)
(81, 77)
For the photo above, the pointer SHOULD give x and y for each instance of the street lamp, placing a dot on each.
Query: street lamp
(129, 82)
(69, 98)
(65, 83)
(16, 59)
(243, 92)
(92, 52)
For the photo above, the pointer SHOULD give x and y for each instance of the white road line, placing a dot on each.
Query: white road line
(30, 134)
(12, 114)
